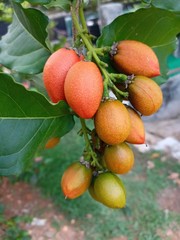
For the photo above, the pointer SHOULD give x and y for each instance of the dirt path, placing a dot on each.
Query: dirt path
(22, 199)
(168, 200)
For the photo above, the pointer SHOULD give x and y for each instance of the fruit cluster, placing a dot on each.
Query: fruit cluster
(85, 86)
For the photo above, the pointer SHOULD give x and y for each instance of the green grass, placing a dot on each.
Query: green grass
(142, 217)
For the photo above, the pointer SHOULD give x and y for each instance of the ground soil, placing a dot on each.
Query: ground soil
(169, 200)
(22, 199)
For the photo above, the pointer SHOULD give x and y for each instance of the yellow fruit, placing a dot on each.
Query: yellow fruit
(145, 95)
(137, 133)
(52, 142)
(119, 158)
(92, 192)
(76, 180)
(134, 57)
(110, 190)
(112, 122)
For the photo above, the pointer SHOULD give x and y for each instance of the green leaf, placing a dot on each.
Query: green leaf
(27, 121)
(162, 52)
(33, 1)
(160, 80)
(153, 26)
(64, 4)
(24, 48)
(167, 4)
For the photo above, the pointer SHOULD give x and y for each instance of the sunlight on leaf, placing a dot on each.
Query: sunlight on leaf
(24, 48)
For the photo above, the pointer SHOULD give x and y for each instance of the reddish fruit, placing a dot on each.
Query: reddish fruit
(137, 132)
(76, 180)
(112, 122)
(84, 88)
(55, 71)
(52, 142)
(119, 158)
(109, 190)
(145, 95)
(133, 57)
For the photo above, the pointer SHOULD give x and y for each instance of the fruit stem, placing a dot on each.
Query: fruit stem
(75, 6)
(118, 77)
(83, 20)
(93, 52)
(90, 154)
(117, 90)
(84, 131)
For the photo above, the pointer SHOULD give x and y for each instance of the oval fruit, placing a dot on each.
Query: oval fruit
(55, 70)
(52, 142)
(84, 88)
(110, 190)
(145, 95)
(76, 180)
(92, 192)
(137, 132)
(119, 158)
(112, 122)
(134, 57)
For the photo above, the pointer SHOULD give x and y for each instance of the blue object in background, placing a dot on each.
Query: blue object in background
(3, 28)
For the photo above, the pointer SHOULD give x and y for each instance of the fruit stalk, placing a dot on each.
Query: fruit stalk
(93, 53)
(83, 21)
(90, 155)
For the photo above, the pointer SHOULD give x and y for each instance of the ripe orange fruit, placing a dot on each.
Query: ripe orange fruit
(137, 133)
(110, 190)
(55, 70)
(112, 122)
(134, 57)
(119, 158)
(52, 142)
(145, 95)
(84, 88)
(76, 180)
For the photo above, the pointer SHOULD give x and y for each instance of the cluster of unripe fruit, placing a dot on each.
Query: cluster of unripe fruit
(68, 76)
